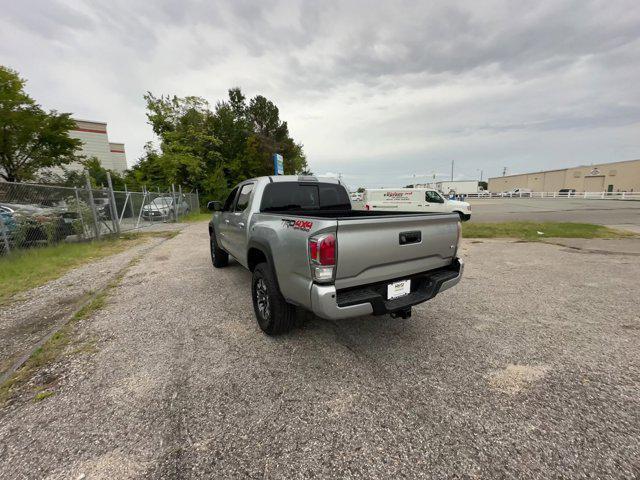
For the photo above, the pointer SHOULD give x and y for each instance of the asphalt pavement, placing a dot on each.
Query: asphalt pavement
(529, 368)
(620, 213)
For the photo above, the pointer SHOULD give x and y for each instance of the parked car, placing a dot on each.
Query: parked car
(517, 192)
(414, 200)
(307, 248)
(163, 208)
(7, 227)
(34, 224)
(566, 192)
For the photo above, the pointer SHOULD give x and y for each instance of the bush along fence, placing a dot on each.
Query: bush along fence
(32, 214)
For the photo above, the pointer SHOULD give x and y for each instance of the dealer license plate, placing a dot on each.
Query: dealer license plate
(398, 289)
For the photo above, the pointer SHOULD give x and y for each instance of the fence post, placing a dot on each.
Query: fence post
(198, 200)
(7, 248)
(130, 198)
(75, 190)
(180, 198)
(92, 204)
(144, 199)
(175, 203)
(115, 219)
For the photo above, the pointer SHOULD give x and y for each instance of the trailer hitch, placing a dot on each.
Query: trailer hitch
(404, 313)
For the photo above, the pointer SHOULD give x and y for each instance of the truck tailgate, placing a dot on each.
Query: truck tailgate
(376, 249)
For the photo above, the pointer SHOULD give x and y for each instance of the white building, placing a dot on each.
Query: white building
(95, 143)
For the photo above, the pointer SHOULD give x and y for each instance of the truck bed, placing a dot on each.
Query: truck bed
(351, 214)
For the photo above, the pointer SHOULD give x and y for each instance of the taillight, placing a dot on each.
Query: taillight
(367, 207)
(322, 255)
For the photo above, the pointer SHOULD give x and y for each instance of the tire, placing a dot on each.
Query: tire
(219, 257)
(273, 313)
(463, 217)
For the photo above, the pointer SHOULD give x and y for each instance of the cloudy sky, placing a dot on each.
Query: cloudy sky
(378, 91)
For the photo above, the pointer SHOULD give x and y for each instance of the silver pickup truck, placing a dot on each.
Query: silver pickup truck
(307, 248)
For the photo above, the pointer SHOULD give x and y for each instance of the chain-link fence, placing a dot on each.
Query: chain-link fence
(32, 215)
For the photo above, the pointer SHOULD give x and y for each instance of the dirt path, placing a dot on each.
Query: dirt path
(27, 319)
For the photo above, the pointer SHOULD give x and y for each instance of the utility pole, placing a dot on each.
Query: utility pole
(452, 170)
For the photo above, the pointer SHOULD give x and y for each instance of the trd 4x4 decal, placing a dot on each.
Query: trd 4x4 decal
(304, 225)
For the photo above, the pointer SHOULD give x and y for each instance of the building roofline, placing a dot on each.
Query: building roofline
(564, 169)
(87, 121)
(450, 181)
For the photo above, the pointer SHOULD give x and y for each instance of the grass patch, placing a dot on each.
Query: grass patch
(529, 230)
(42, 395)
(45, 355)
(25, 269)
(196, 217)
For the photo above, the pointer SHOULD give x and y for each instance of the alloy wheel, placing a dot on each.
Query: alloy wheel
(262, 298)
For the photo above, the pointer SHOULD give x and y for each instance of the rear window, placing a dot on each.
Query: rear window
(279, 196)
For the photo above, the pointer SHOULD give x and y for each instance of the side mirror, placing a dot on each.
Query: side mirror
(214, 206)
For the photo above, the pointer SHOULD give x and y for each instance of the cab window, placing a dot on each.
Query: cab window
(433, 197)
(243, 197)
(229, 201)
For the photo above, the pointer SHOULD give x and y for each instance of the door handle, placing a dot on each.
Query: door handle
(241, 224)
(407, 238)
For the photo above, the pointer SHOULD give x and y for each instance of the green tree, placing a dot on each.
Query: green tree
(214, 150)
(30, 138)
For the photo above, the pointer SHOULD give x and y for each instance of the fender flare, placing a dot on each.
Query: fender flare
(265, 248)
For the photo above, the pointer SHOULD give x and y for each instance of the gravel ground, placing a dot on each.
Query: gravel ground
(27, 319)
(530, 368)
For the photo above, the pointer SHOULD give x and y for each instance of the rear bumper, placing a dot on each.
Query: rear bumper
(327, 302)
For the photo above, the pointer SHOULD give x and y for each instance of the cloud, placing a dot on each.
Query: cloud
(375, 92)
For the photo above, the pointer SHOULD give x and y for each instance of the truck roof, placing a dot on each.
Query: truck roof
(299, 178)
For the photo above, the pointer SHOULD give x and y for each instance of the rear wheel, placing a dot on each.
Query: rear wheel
(273, 313)
(219, 257)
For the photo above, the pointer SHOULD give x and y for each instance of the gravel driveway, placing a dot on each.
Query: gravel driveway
(529, 368)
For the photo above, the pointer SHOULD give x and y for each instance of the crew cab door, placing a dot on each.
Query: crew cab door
(238, 221)
(224, 228)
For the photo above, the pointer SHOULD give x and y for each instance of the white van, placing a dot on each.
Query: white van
(414, 200)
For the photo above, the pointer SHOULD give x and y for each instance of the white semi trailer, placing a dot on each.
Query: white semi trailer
(460, 187)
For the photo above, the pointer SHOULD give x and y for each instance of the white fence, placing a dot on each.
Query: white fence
(568, 195)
